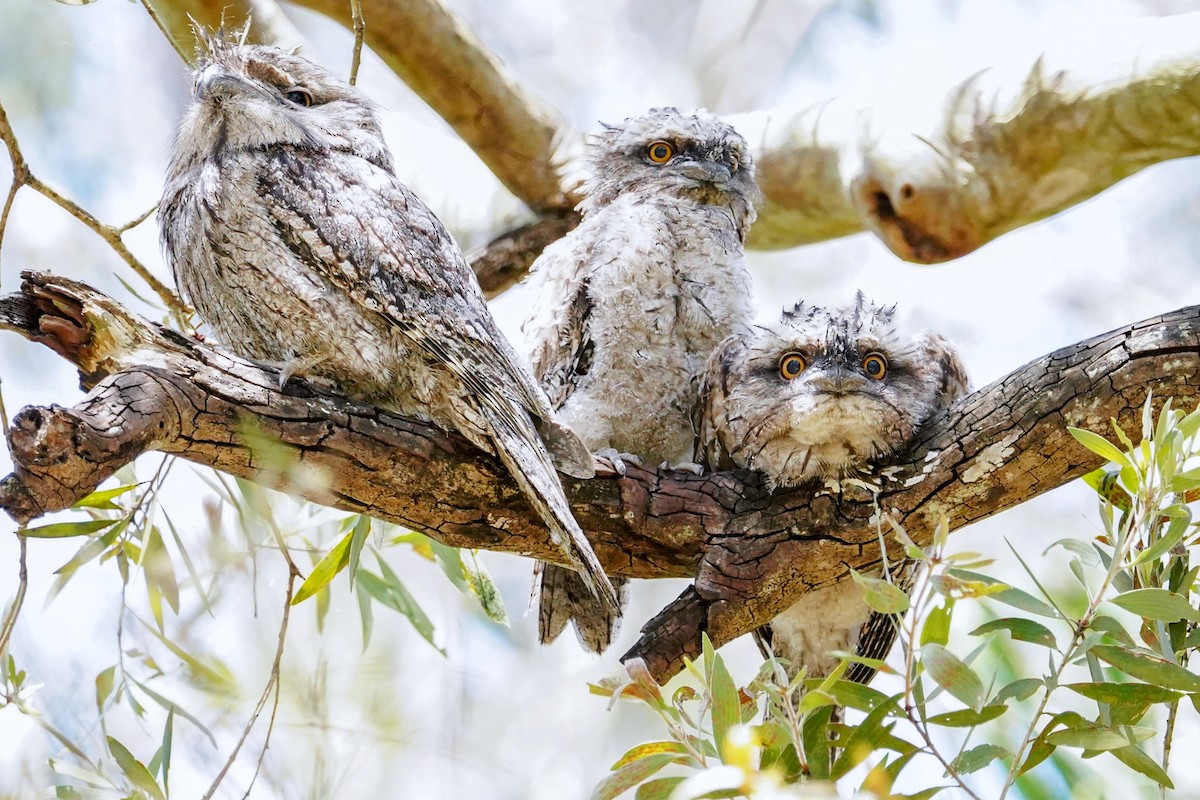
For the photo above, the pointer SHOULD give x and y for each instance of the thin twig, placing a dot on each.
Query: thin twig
(138, 220)
(262, 754)
(272, 681)
(175, 44)
(1068, 655)
(10, 619)
(356, 16)
(933, 751)
(23, 177)
(1167, 736)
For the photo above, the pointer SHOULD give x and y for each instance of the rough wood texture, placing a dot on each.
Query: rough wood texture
(506, 259)
(752, 553)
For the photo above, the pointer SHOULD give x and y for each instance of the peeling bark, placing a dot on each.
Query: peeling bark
(752, 553)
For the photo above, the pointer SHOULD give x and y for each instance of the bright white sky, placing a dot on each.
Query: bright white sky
(500, 717)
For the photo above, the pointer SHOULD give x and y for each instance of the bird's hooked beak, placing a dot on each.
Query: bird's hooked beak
(713, 173)
(837, 380)
(216, 82)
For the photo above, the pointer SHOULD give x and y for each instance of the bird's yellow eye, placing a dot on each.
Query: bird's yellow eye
(791, 365)
(300, 96)
(660, 152)
(875, 365)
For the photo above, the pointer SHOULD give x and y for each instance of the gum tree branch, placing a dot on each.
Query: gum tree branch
(434, 51)
(175, 18)
(752, 553)
(985, 169)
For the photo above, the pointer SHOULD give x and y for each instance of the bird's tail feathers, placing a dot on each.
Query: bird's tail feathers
(563, 597)
(520, 449)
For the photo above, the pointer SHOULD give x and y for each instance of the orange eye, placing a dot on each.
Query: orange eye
(791, 365)
(660, 152)
(875, 365)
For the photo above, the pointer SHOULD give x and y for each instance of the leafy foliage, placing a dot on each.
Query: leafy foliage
(1126, 654)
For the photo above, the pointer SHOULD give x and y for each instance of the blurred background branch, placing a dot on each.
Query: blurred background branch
(827, 169)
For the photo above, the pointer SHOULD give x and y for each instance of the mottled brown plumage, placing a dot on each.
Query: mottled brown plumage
(631, 303)
(825, 394)
(287, 229)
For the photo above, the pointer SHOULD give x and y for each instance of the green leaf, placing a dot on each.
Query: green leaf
(172, 708)
(630, 775)
(978, 757)
(485, 591)
(80, 774)
(62, 530)
(646, 750)
(1100, 446)
(1041, 750)
(880, 595)
(1156, 604)
(1136, 759)
(877, 664)
(726, 710)
(657, 789)
(216, 678)
(161, 763)
(325, 570)
(104, 499)
(1023, 630)
(1149, 668)
(1010, 595)
(863, 740)
(1124, 693)
(1099, 737)
(1112, 628)
(358, 537)
(1020, 689)
(159, 574)
(966, 718)
(854, 695)
(1174, 533)
(936, 628)
(1079, 547)
(815, 699)
(104, 687)
(391, 592)
(924, 794)
(366, 617)
(450, 559)
(953, 675)
(134, 770)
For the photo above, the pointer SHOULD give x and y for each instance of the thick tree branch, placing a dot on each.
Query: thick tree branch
(989, 169)
(753, 553)
(506, 259)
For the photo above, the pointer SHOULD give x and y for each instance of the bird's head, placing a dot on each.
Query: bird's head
(823, 392)
(255, 97)
(691, 154)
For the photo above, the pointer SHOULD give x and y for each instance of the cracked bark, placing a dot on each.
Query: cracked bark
(752, 553)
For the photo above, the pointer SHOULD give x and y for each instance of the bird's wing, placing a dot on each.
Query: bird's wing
(557, 335)
(709, 415)
(374, 240)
